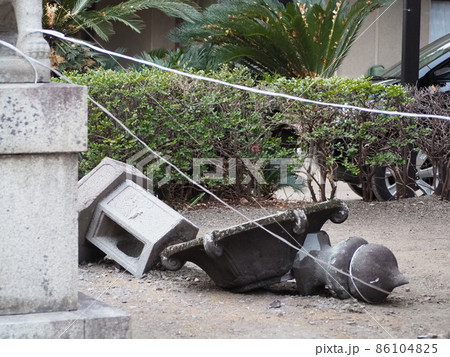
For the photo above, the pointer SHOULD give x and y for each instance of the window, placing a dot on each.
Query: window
(439, 19)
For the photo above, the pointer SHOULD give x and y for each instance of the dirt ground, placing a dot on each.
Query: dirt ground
(187, 304)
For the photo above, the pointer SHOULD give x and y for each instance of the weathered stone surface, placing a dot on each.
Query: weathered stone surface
(42, 129)
(309, 275)
(93, 320)
(132, 227)
(351, 268)
(42, 118)
(18, 21)
(246, 256)
(40, 137)
(95, 186)
(38, 225)
(374, 273)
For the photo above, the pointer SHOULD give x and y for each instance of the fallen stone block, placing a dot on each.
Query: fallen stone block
(248, 256)
(132, 227)
(92, 188)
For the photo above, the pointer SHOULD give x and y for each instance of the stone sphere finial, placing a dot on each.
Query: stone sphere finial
(352, 268)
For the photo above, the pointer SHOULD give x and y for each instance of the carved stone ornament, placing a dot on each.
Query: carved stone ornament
(18, 21)
(247, 256)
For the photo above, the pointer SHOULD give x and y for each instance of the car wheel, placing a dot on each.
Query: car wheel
(384, 183)
(426, 179)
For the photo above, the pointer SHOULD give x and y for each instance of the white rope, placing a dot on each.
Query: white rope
(29, 59)
(238, 86)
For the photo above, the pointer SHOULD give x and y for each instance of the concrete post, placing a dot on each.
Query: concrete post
(43, 127)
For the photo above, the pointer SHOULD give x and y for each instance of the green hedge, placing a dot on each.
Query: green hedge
(185, 119)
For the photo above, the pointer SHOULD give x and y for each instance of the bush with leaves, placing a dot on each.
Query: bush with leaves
(434, 138)
(186, 121)
(333, 138)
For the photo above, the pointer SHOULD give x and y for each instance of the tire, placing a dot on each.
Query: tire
(384, 183)
(426, 181)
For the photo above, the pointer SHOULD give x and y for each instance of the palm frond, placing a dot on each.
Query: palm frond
(74, 16)
(92, 20)
(186, 9)
(79, 7)
(303, 38)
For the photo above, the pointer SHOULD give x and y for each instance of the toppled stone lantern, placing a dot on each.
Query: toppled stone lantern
(92, 188)
(248, 256)
(291, 244)
(120, 218)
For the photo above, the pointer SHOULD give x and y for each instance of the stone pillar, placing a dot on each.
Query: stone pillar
(43, 127)
(18, 21)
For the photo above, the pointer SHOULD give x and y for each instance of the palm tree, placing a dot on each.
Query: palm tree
(299, 39)
(74, 17)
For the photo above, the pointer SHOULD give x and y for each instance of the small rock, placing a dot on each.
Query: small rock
(275, 304)
(428, 335)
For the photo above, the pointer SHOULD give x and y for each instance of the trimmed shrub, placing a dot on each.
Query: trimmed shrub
(434, 135)
(186, 121)
(189, 121)
(348, 140)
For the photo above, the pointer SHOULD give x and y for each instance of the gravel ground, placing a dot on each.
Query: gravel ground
(187, 304)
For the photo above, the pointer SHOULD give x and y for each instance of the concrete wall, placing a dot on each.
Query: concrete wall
(380, 40)
(153, 36)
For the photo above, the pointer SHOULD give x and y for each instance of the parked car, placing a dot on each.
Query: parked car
(434, 71)
(434, 66)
